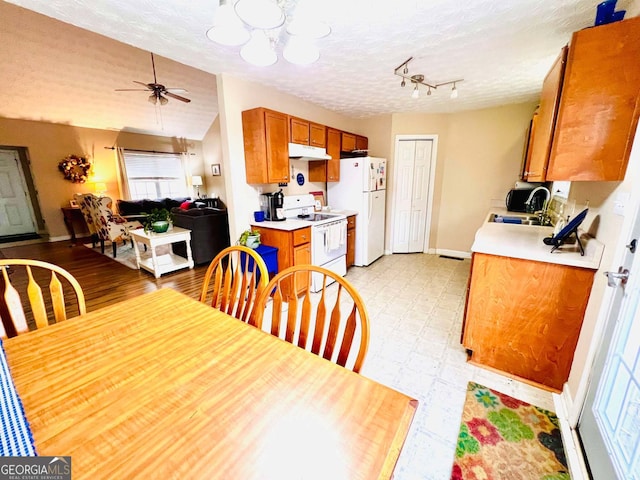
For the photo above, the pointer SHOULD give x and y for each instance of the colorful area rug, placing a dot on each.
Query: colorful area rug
(504, 438)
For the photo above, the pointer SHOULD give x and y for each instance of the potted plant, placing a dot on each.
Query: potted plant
(250, 238)
(158, 220)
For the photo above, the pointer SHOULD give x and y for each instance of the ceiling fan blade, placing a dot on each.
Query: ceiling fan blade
(146, 85)
(153, 65)
(176, 90)
(177, 97)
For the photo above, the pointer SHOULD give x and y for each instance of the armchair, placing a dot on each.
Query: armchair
(108, 225)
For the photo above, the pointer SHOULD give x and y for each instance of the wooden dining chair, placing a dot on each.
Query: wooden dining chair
(13, 307)
(334, 320)
(234, 279)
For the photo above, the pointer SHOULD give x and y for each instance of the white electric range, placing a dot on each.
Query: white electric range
(328, 235)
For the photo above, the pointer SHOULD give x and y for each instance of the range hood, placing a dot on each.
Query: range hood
(307, 152)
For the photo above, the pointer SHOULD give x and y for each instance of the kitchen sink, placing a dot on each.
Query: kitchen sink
(515, 219)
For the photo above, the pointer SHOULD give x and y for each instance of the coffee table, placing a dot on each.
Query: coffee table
(169, 262)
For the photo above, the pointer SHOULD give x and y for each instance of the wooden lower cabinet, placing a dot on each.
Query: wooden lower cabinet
(351, 240)
(524, 317)
(294, 247)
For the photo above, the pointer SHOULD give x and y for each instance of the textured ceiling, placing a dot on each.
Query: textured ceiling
(501, 48)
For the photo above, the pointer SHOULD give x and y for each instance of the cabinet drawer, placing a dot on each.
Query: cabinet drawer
(351, 222)
(301, 236)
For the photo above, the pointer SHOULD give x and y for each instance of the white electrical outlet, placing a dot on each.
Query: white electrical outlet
(620, 203)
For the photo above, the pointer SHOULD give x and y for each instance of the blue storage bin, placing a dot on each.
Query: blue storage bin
(268, 254)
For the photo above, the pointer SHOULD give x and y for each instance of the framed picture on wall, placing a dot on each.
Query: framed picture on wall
(215, 170)
(73, 204)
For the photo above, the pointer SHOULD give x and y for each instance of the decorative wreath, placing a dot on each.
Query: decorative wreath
(75, 168)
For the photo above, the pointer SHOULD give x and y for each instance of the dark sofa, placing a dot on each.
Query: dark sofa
(206, 218)
(209, 232)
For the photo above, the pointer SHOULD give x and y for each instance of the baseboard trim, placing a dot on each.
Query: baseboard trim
(452, 253)
(573, 451)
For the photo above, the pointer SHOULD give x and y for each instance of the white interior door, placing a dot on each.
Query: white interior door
(411, 199)
(609, 425)
(15, 212)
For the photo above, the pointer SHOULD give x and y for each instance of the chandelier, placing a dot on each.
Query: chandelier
(418, 79)
(257, 25)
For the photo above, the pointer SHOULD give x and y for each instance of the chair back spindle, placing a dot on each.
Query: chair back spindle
(235, 286)
(334, 320)
(36, 301)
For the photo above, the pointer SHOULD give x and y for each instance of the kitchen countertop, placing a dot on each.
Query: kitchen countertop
(525, 242)
(291, 224)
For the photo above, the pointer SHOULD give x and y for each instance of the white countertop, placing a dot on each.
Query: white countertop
(289, 224)
(525, 242)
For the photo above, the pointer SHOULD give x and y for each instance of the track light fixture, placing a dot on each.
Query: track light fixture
(419, 79)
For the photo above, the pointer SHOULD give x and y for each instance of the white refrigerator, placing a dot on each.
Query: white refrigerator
(362, 187)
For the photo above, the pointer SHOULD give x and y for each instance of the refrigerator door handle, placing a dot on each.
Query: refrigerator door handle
(370, 207)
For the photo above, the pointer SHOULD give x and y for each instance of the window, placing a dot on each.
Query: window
(155, 175)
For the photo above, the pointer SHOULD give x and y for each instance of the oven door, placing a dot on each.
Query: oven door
(328, 242)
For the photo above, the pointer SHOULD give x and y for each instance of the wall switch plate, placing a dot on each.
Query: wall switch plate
(621, 201)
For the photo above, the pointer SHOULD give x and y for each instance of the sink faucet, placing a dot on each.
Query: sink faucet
(533, 192)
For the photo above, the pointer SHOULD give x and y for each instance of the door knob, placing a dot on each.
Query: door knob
(622, 275)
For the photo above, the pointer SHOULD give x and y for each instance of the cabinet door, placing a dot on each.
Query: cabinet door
(348, 142)
(299, 131)
(528, 147)
(549, 99)
(351, 240)
(524, 317)
(333, 149)
(598, 116)
(302, 256)
(317, 135)
(277, 134)
(362, 143)
(329, 170)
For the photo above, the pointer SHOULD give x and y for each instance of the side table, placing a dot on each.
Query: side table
(159, 264)
(73, 215)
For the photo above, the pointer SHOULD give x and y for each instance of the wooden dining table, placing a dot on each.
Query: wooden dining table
(163, 386)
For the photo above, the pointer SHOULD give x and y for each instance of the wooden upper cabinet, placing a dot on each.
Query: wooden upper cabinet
(362, 143)
(328, 171)
(348, 142)
(299, 131)
(317, 135)
(528, 147)
(266, 152)
(307, 133)
(538, 160)
(598, 111)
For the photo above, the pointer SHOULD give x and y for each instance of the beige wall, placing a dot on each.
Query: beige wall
(235, 96)
(212, 154)
(47, 144)
(479, 158)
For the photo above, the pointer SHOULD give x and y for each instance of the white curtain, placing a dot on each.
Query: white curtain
(123, 184)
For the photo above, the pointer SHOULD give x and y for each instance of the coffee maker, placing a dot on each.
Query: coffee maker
(273, 206)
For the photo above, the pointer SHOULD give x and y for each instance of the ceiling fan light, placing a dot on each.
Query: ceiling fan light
(153, 99)
(163, 100)
(263, 14)
(258, 50)
(301, 51)
(227, 28)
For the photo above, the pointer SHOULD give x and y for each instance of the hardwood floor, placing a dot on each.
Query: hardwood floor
(103, 280)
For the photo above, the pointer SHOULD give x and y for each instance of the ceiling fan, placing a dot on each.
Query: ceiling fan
(158, 91)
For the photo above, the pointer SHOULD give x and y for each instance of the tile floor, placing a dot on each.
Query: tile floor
(415, 304)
